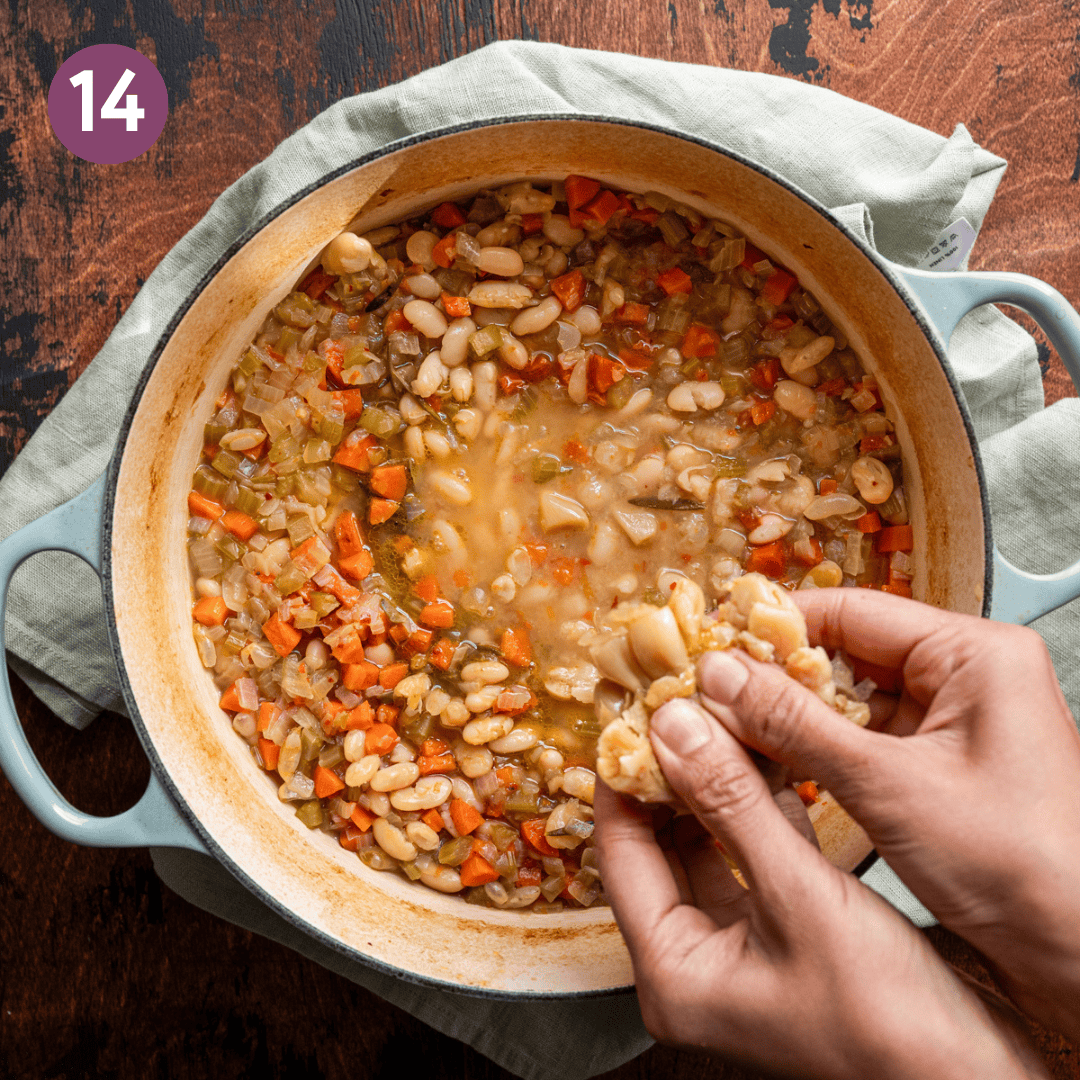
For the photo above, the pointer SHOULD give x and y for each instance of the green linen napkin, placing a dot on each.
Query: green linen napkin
(895, 184)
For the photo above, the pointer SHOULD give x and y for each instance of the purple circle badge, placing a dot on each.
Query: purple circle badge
(108, 104)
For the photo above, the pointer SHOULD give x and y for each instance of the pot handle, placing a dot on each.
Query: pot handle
(1018, 597)
(154, 820)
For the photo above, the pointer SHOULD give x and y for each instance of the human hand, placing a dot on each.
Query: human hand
(807, 972)
(969, 787)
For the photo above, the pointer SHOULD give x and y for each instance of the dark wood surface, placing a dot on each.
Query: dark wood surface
(103, 971)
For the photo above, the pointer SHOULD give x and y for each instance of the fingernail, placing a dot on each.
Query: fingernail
(681, 727)
(722, 677)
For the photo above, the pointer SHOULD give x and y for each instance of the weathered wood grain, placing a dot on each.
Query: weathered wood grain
(103, 972)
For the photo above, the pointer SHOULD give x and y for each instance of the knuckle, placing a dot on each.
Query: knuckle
(780, 710)
(724, 789)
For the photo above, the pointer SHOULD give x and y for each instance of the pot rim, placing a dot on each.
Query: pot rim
(112, 474)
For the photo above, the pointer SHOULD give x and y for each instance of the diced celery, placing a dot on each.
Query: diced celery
(733, 385)
(382, 423)
(356, 354)
(546, 467)
(621, 393)
(227, 462)
(251, 362)
(249, 501)
(213, 431)
(300, 528)
(310, 744)
(284, 486)
(314, 363)
(420, 729)
(288, 336)
(290, 579)
(455, 852)
(306, 619)
(283, 448)
(324, 602)
(589, 726)
(229, 545)
(310, 813)
(412, 872)
(316, 450)
(524, 802)
(486, 339)
(210, 482)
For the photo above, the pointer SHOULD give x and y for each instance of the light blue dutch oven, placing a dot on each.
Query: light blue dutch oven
(205, 793)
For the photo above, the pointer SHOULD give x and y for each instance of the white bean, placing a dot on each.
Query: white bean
(771, 527)
(411, 410)
(873, 479)
(580, 783)
(796, 399)
(467, 423)
(347, 254)
(423, 285)
(521, 738)
(426, 317)
(393, 841)
(473, 761)
(461, 384)
(481, 700)
(454, 348)
(533, 320)
(513, 352)
(586, 319)
(395, 776)
(436, 701)
(242, 439)
(425, 794)
(487, 672)
(561, 512)
(423, 836)
(498, 233)
(501, 261)
(208, 587)
(414, 444)
(420, 246)
(681, 399)
(364, 766)
(558, 230)
(443, 879)
(430, 376)
(484, 388)
(316, 655)
(485, 729)
(438, 445)
(453, 489)
(498, 294)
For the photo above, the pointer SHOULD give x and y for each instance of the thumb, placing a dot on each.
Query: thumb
(765, 708)
(715, 777)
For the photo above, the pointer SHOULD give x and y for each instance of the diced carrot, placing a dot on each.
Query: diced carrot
(761, 411)
(647, 214)
(351, 402)
(808, 792)
(898, 588)
(390, 481)
(350, 649)
(230, 699)
(200, 505)
(360, 676)
(778, 286)
(380, 739)
(562, 569)
(870, 522)
(268, 713)
(598, 211)
(269, 751)
(509, 383)
(447, 216)
(633, 313)
(575, 450)
(461, 578)
(869, 443)
(873, 389)
(768, 559)
(334, 354)
(418, 641)
(347, 534)
(240, 525)
(317, 282)
(456, 307)
(895, 538)
(442, 655)
(436, 763)
(361, 818)
(816, 554)
(396, 323)
(604, 372)
(281, 635)
(381, 510)
(777, 328)
(580, 190)
(766, 374)
(675, 280)
(349, 837)
(354, 452)
(538, 551)
(427, 588)
(533, 831)
(210, 611)
(528, 875)
(392, 674)
(476, 870)
(508, 776)
(531, 223)
(358, 566)
(834, 387)
(752, 258)
(699, 341)
(439, 615)
(513, 702)
(570, 289)
(333, 717)
(465, 817)
(516, 647)
(826, 485)
(433, 820)
(443, 252)
(387, 714)
(327, 782)
(360, 718)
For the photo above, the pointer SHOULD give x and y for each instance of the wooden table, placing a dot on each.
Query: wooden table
(104, 972)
